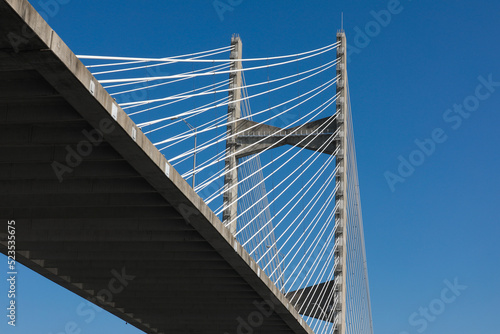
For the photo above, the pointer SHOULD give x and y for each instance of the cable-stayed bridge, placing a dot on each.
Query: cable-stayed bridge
(220, 190)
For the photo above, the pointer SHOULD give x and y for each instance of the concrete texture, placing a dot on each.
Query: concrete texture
(230, 196)
(256, 137)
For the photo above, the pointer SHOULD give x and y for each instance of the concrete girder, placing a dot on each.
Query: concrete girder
(256, 137)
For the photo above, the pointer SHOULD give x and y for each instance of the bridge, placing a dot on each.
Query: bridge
(113, 202)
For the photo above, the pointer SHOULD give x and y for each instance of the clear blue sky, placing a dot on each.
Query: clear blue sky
(441, 223)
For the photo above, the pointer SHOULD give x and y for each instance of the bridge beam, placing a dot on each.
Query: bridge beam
(256, 137)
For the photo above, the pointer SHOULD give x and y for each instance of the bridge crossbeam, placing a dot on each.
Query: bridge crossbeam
(256, 137)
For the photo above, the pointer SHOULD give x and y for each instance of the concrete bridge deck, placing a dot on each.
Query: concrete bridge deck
(100, 211)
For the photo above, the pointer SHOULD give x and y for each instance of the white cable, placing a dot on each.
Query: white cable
(208, 200)
(327, 103)
(327, 84)
(246, 98)
(293, 198)
(326, 204)
(175, 76)
(180, 96)
(332, 63)
(277, 169)
(145, 87)
(149, 66)
(315, 198)
(317, 175)
(188, 134)
(143, 61)
(191, 60)
(193, 112)
(219, 122)
(147, 79)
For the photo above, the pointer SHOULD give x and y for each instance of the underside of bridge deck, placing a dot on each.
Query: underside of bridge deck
(100, 211)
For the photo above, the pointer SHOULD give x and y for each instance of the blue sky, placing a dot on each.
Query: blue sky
(439, 225)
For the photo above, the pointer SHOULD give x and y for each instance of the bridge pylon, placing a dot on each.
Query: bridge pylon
(246, 137)
(340, 255)
(230, 194)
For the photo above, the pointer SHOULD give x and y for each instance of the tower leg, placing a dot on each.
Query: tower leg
(230, 195)
(341, 183)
